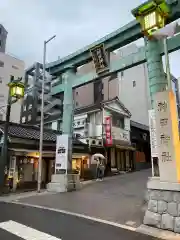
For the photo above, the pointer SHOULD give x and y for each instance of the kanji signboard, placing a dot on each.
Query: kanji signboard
(100, 58)
(108, 131)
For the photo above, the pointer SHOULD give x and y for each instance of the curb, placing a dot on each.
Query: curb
(158, 233)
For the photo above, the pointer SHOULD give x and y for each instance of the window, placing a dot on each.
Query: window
(1, 64)
(1, 116)
(113, 76)
(76, 93)
(30, 106)
(122, 73)
(11, 78)
(77, 104)
(29, 118)
(24, 108)
(117, 121)
(15, 67)
(0, 43)
(134, 83)
(0, 30)
(98, 119)
(54, 125)
(23, 119)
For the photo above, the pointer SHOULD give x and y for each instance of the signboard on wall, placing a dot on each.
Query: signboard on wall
(153, 133)
(61, 162)
(108, 130)
(100, 58)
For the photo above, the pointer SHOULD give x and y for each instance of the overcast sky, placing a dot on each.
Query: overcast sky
(75, 22)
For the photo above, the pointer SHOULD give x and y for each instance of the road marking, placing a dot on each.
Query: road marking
(78, 215)
(24, 232)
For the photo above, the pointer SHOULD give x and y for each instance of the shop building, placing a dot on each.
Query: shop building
(90, 127)
(23, 153)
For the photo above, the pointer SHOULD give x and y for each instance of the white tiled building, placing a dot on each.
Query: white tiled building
(9, 66)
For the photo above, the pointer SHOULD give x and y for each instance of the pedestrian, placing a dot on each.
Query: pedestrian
(101, 169)
(98, 171)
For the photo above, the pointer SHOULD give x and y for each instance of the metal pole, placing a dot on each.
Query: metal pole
(42, 117)
(42, 122)
(168, 72)
(4, 150)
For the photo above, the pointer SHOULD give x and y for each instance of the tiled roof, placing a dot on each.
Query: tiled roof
(31, 132)
(139, 125)
(97, 106)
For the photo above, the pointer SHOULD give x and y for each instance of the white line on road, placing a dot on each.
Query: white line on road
(24, 232)
(78, 215)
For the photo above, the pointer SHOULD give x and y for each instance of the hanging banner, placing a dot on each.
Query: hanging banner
(61, 162)
(153, 133)
(108, 124)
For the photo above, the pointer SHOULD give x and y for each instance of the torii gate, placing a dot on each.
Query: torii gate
(163, 207)
(150, 53)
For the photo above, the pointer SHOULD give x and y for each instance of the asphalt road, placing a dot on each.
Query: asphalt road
(38, 222)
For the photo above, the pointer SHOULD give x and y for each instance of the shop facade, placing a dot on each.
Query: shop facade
(23, 155)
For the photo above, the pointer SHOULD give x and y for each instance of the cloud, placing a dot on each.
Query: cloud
(75, 23)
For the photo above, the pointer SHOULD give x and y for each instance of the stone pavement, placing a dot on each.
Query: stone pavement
(119, 199)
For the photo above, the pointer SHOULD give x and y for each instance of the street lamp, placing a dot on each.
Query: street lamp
(42, 115)
(152, 16)
(16, 91)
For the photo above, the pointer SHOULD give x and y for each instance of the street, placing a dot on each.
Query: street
(20, 222)
(118, 199)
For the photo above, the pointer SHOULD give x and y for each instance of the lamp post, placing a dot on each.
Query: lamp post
(16, 91)
(42, 116)
(152, 16)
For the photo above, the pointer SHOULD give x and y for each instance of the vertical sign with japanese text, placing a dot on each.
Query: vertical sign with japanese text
(100, 59)
(167, 136)
(61, 162)
(108, 132)
(153, 133)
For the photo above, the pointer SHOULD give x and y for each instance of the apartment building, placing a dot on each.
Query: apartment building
(3, 37)
(9, 67)
(31, 105)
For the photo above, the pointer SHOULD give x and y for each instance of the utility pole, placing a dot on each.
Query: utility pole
(42, 116)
